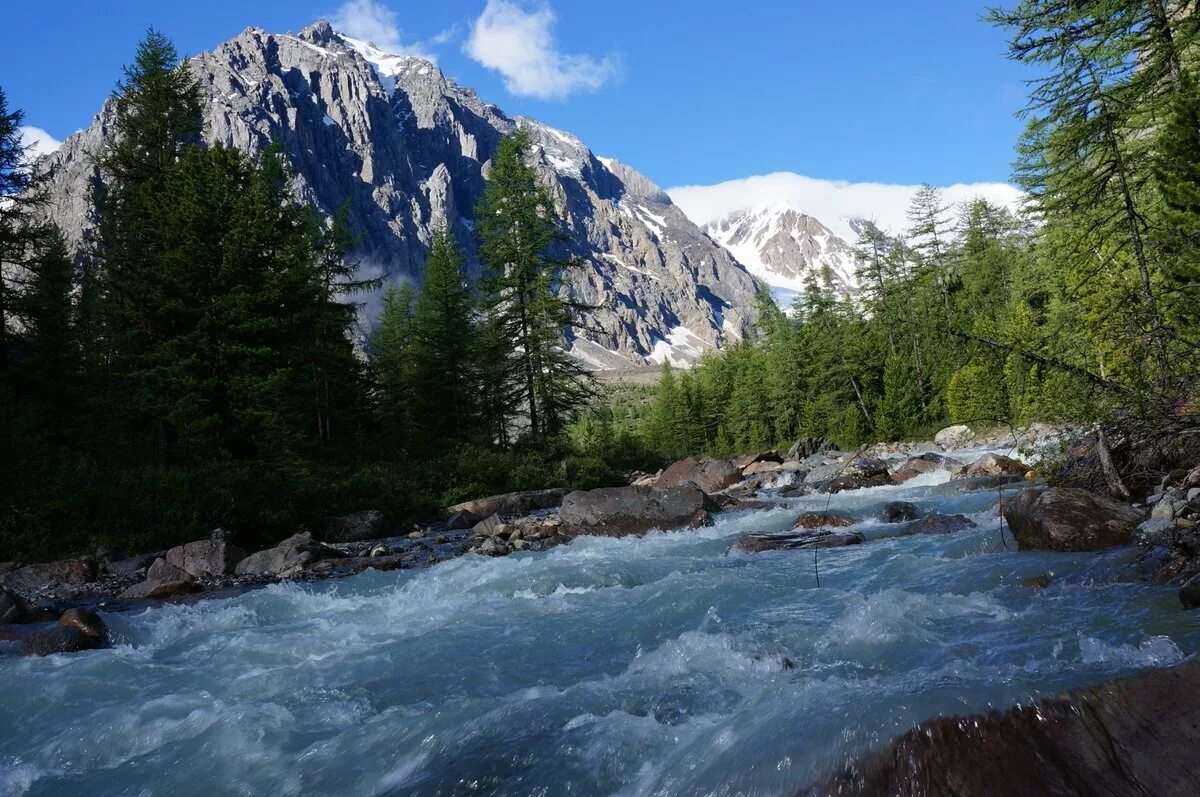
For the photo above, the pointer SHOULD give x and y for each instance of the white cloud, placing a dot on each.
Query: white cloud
(38, 140)
(833, 202)
(520, 45)
(376, 23)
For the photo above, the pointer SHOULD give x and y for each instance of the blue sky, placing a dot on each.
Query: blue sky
(691, 93)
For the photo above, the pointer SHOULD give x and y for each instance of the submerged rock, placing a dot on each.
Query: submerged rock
(800, 541)
(970, 485)
(1069, 519)
(939, 524)
(49, 641)
(86, 622)
(1135, 736)
(620, 511)
(900, 511)
(817, 520)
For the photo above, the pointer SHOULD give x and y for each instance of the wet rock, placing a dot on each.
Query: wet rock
(939, 524)
(206, 557)
(1069, 519)
(975, 483)
(85, 621)
(380, 550)
(900, 511)
(856, 474)
(1134, 736)
(1189, 593)
(512, 504)
(163, 580)
(1040, 581)
(996, 465)
(798, 541)
(49, 641)
(620, 511)
(369, 524)
(31, 578)
(13, 608)
(1154, 533)
(710, 475)
(764, 468)
(288, 557)
(924, 463)
(953, 436)
(817, 520)
(133, 565)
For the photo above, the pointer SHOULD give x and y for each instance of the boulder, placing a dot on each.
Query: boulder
(1154, 533)
(922, 463)
(1069, 519)
(757, 468)
(807, 447)
(798, 541)
(13, 608)
(953, 436)
(939, 524)
(133, 565)
(461, 520)
(369, 524)
(747, 460)
(163, 580)
(1134, 736)
(819, 520)
(31, 578)
(49, 641)
(975, 483)
(620, 511)
(512, 504)
(288, 557)
(996, 465)
(206, 557)
(900, 511)
(858, 473)
(710, 475)
(85, 621)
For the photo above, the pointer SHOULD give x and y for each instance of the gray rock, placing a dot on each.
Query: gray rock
(1154, 532)
(953, 436)
(710, 475)
(406, 149)
(798, 541)
(31, 578)
(163, 580)
(206, 557)
(996, 465)
(512, 504)
(939, 524)
(355, 527)
(133, 565)
(1069, 519)
(620, 511)
(292, 554)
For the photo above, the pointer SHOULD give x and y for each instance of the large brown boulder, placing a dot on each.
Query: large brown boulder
(288, 557)
(31, 578)
(996, 465)
(163, 580)
(621, 511)
(710, 475)
(1069, 519)
(1134, 736)
(206, 557)
(511, 504)
(49, 641)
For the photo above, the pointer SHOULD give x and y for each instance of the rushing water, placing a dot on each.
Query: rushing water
(658, 665)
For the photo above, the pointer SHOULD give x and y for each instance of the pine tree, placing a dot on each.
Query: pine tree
(391, 361)
(518, 229)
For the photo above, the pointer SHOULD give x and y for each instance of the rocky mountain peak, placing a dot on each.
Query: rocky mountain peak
(408, 148)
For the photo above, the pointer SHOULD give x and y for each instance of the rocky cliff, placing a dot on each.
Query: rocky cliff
(408, 149)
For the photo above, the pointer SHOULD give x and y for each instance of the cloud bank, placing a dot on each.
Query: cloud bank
(376, 23)
(520, 45)
(38, 140)
(833, 202)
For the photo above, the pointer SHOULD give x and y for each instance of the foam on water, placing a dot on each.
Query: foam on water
(660, 665)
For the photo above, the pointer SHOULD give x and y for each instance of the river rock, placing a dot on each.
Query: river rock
(287, 558)
(461, 520)
(369, 524)
(133, 565)
(1154, 533)
(808, 447)
(746, 461)
(798, 541)
(620, 511)
(996, 465)
(922, 463)
(710, 475)
(512, 504)
(900, 511)
(49, 641)
(953, 436)
(1069, 519)
(757, 468)
(858, 473)
(163, 580)
(206, 557)
(939, 524)
(31, 578)
(1134, 736)
(818, 520)
(974, 483)
(86, 621)
(13, 608)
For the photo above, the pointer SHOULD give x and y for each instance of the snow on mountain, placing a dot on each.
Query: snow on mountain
(785, 247)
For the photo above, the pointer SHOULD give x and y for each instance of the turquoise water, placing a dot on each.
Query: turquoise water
(631, 667)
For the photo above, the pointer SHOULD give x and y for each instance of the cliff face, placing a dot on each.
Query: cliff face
(408, 149)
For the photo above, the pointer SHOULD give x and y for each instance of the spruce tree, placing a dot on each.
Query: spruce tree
(519, 231)
(392, 364)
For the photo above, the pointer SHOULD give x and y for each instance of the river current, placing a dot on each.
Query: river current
(636, 666)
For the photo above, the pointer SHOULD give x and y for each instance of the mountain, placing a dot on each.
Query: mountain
(784, 246)
(408, 149)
